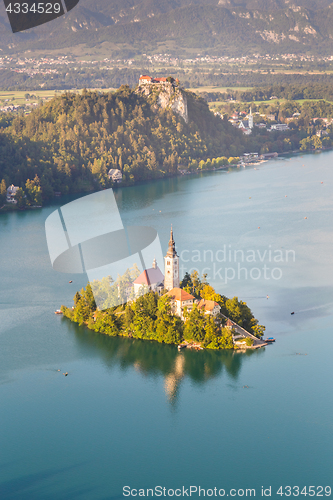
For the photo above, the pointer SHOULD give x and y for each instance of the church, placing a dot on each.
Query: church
(153, 277)
(153, 280)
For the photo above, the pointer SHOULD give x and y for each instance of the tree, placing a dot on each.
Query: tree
(3, 191)
(195, 327)
(77, 298)
(20, 198)
(209, 293)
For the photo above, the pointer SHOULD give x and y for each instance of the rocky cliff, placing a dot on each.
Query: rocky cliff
(166, 96)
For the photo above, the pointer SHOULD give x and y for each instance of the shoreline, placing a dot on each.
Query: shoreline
(13, 208)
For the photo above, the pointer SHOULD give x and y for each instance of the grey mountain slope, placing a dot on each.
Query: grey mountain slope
(217, 27)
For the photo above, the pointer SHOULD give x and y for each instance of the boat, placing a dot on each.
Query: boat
(181, 346)
(292, 312)
(70, 281)
(270, 339)
(58, 311)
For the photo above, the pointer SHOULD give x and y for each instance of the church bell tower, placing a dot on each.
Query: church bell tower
(251, 119)
(171, 266)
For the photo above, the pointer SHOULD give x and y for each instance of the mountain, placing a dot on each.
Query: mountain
(180, 27)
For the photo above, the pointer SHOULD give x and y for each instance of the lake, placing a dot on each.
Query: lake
(140, 414)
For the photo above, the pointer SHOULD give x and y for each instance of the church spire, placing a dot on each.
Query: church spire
(172, 249)
(251, 118)
(171, 265)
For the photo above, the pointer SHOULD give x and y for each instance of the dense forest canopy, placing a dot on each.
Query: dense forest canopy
(71, 142)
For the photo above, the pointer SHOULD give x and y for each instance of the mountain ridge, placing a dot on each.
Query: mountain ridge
(228, 27)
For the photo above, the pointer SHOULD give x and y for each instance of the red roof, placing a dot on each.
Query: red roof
(180, 294)
(145, 77)
(149, 277)
(208, 305)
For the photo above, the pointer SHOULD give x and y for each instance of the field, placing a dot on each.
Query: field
(19, 97)
(211, 88)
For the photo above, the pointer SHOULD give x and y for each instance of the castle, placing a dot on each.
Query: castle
(146, 80)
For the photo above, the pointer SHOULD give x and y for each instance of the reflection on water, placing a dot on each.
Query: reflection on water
(152, 359)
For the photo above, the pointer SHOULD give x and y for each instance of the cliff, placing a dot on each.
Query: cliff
(166, 95)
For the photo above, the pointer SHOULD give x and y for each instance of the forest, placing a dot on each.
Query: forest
(69, 144)
(149, 316)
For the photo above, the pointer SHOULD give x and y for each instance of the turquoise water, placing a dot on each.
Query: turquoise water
(140, 414)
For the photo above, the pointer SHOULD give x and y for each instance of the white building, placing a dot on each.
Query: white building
(280, 127)
(11, 192)
(115, 174)
(179, 301)
(247, 125)
(251, 119)
(209, 307)
(171, 266)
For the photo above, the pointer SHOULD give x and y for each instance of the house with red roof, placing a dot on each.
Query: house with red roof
(209, 307)
(179, 301)
(145, 79)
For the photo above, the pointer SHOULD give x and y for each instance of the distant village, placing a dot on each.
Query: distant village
(246, 123)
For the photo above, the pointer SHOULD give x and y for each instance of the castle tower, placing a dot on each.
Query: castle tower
(251, 119)
(171, 266)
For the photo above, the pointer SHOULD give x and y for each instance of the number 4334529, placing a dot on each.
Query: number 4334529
(311, 491)
(35, 8)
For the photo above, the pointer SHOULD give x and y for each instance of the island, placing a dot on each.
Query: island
(190, 313)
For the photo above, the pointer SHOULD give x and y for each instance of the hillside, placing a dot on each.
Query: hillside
(70, 143)
(182, 27)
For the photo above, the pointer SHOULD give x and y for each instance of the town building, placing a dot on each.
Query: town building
(180, 302)
(11, 192)
(115, 175)
(246, 126)
(209, 307)
(281, 127)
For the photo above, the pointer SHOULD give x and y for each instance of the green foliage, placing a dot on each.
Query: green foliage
(21, 198)
(221, 341)
(195, 326)
(3, 191)
(150, 316)
(192, 283)
(70, 143)
(33, 191)
(238, 311)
